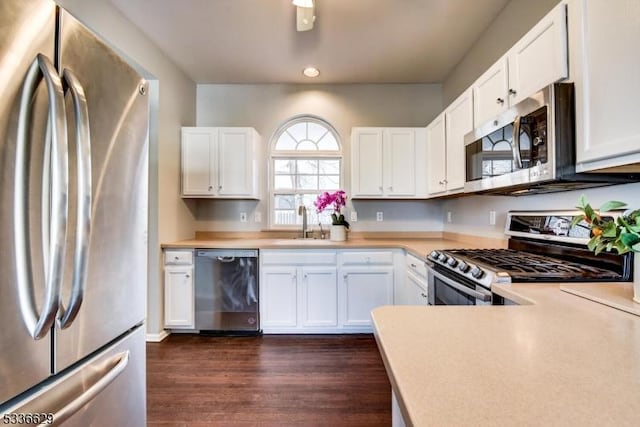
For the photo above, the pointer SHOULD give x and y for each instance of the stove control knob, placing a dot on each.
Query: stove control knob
(452, 262)
(463, 266)
(477, 273)
(443, 258)
(434, 254)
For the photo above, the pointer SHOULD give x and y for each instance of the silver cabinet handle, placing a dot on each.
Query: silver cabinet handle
(499, 101)
(120, 360)
(391, 187)
(512, 92)
(219, 187)
(226, 259)
(515, 144)
(54, 195)
(306, 275)
(187, 275)
(210, 187)
(84, 199)
(413, 265)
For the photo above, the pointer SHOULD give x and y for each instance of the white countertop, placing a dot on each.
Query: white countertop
(560, 360)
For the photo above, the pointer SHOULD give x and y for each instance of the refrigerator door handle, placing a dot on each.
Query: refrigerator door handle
(114, 367)
(84, 199)
(54, 235)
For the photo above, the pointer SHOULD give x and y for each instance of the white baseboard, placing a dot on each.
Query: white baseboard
(158, 337)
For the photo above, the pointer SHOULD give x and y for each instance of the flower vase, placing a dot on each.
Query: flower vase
(338, 233)
(636, 277)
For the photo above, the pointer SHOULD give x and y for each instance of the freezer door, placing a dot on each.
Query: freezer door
(106, 390)
(26, 30)
(105, 274)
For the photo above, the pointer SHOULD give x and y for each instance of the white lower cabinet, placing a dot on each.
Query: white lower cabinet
(323, 291)
(416, 290)
(363, 289)
(179, 311)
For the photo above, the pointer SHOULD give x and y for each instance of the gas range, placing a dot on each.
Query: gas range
(543, 247)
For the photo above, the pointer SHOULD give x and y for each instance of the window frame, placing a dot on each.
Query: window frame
(299, 155)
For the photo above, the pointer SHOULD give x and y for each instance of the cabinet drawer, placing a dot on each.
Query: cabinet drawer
(367, 258)
(416, 265)
(298, 257)
(178, 257)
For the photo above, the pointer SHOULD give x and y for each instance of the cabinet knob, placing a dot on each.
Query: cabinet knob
(187, 275)
(512, 92)
(306, 275)
(176, 258)
(423, 295)
(441, 182)
(219, 187)
(210, 187)
(413, 265)
(444, 181)
(500, 101)
(293, 278)
(391, 187)
(344, 276)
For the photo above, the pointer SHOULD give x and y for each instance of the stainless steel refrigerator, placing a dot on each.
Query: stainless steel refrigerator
(73, 221)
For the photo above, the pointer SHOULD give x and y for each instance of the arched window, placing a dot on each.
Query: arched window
(306, 160)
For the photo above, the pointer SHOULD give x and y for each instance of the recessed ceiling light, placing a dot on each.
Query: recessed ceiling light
(311, 72)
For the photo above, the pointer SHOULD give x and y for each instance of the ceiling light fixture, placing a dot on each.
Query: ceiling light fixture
(311, 72)
(305, 14)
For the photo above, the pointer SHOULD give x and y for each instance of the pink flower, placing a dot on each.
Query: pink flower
(336, 200)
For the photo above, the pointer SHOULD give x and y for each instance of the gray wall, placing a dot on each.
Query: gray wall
(174, 107)
(265, 107)
(517, 17)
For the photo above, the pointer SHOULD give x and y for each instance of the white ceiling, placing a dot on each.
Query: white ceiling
(354, 41)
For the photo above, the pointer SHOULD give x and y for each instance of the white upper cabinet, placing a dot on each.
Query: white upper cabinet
(459, 122)
(605, 58)
(388, 163)
(539, 58)
(436, 156)
(220, 162)
(445, 146)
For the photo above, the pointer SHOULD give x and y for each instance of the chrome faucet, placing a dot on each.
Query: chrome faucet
(302, 210)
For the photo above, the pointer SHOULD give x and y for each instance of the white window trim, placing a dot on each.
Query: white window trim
(300, 154)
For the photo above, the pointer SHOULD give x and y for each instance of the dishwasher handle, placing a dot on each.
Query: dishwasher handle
(226, 259)
(226, 255)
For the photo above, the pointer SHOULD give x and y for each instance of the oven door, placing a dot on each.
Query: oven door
(446, 290)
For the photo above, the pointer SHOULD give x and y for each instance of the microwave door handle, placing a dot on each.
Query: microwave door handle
(515, 144)
(481, 295)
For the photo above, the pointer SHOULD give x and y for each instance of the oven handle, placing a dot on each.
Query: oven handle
(515, 145)
(481, 295)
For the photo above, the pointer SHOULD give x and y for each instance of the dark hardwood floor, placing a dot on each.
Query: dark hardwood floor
(274, 380)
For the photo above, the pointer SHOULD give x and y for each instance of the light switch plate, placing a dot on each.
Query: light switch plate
(379, 216)
(449, 216)
(492, 217)
(243, 217)
(257, 217)
(353, 217)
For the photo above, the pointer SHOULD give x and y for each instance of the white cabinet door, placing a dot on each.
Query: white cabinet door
(400, 165)
(236, 162)
(417, 289)
(490, 93)
(319, 297)
(605, 59)
(363, 289)
(198, 156)
(540, 57)
(278, 297)
(436, 155)
(459, 122)
(179, 301)
(367, 162)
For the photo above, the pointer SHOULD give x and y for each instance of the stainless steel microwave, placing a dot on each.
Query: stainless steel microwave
(530, 149)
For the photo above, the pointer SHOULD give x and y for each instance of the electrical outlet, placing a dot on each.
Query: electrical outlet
(379, 217)
(354, 216)
(492, 217)
(257, 217)
(243, 217)
(449, 216)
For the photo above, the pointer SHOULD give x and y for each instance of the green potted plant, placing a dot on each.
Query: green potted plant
(622, 234)
(337, 201)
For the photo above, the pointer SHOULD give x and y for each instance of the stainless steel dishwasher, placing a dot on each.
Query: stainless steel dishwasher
(227, 291)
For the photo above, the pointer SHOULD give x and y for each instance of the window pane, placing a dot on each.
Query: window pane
(328, 143)
(284, 202)
(284, 166)
(285, 217)
(285, 142)
(307, 182)
(298, 131)
(329, 182)
(316, 131)
(308, 166)
(307, 146)
(329, 167)
(284, 182)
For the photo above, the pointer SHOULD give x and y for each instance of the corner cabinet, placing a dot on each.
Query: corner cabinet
(220, 162)
(388, 163)
(539, 58)
(179, 310)
(603, 41)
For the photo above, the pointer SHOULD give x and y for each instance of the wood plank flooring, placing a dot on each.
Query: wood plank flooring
(274, 380)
